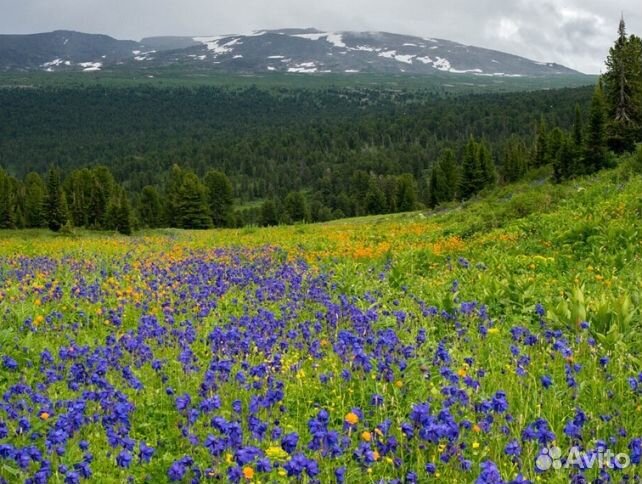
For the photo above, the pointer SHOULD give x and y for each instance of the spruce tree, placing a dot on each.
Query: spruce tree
(295, 207)
(220, 197)
(269, 214)
(487, 164)
(55, 203)
(541, 149)
(151, 207)
(623, 91)
(595, 152)
(172, 195)
(565, 163)
(514, 163)
(406, 193)
(35, 194)
(192, 211)
(7, 198)
(124, 215)
(472, 174)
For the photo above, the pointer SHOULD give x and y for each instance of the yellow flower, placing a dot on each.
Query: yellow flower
(476, 428)
(493, 330)
(367, 436)
(352, 418)
(276, 452)
(44, 416)
(248, 472)
(399, 384)
(462, 372)
(475, 445)
(375, 455)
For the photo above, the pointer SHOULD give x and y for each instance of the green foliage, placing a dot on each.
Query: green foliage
(295, 207)
(595, 152)
(191, 209)
(56, 212)
(35, 195)
(220, 197)
(269, 214)
(623, 91)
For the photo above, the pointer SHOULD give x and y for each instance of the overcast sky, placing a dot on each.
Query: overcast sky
(576, 33)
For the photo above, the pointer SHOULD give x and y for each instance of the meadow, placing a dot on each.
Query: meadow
(455, 346)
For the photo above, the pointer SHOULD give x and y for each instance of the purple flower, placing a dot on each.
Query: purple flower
(124, 459)
(182, 402)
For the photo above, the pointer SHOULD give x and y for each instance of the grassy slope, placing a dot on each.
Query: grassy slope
(575, 248)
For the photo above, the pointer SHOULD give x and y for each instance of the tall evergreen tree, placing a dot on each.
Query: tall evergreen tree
(406, 193)
(487, 164)
(269, 213)
(7, 202)
(220, 197)
(595, 152)
(541, 150)
(375, 198)
(151, 207)
(623, 91)
(515, 161)
(192, 211)
(295, 207)
(35, 194)
(565, 164)
(55, 203)
(173, 196)
(472, 177)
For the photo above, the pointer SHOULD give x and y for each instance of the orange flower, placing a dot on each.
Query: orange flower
(248, 472)
(352, 418)
(44, 416)
(476, 428)
(375, 455)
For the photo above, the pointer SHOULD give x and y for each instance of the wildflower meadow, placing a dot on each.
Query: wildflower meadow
(455, 347)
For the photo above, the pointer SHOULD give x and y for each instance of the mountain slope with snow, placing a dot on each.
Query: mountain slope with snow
(307, 51)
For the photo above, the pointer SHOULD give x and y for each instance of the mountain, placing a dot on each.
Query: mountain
(288, 51)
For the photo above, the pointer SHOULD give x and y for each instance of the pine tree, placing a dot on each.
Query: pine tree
(578, 128)
(514, 164)
(375, 198)
(541, 150)
(191, 210)
(35, 194)
(151, 208)
(124, 215)
(406, 193)
(595, 153)
(220, 197)
(55, 203)
(472, 174)
(7, 202)
(102, 189)
(295, 207)
(269, 214)
(565, 164)
(487, 164)
(172, 195)
(623, 91)
(450, 172)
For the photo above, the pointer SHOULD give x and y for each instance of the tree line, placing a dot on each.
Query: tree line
(209, 157)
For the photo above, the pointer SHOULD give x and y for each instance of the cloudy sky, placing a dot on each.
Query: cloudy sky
(576, 33)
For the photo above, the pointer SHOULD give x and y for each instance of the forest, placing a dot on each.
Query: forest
(198, 157)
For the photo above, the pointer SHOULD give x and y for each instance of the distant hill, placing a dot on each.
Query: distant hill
(307, 51)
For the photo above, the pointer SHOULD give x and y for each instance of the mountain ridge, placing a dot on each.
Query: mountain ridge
(290, 50)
